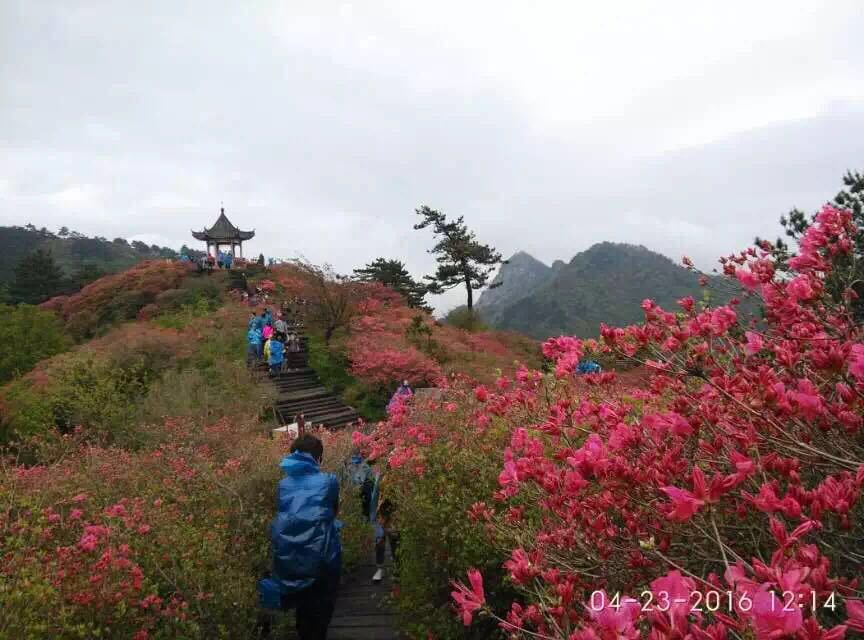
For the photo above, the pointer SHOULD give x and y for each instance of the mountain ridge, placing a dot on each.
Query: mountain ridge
(605, 283)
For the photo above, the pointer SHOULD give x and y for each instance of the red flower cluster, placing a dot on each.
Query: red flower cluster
(739, 469)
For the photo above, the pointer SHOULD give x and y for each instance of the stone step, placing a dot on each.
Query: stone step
(291, 397)
(317, 404)
(333, 420)
(300, 383)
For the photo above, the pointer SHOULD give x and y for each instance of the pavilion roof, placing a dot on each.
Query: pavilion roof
(223, 230)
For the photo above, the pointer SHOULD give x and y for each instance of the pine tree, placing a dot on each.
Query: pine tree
(392, 273)
(462, 260)
(37, 278)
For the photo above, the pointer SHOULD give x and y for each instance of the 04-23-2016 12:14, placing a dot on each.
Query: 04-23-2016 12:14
(710, 601)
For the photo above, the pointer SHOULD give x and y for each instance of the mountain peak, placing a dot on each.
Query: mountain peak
(520, 275)
(523, 257)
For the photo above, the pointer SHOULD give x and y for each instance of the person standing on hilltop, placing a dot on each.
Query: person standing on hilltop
(307, 551)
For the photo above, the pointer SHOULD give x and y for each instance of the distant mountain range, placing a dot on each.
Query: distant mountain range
(606, 283)
(80, 257)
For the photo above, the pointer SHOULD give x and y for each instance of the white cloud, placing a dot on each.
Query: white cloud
(76, 198)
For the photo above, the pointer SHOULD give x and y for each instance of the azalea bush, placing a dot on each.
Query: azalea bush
(717, 497)
(163, 543)
(119, 297)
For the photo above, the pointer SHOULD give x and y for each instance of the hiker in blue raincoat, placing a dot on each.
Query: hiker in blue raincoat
(267, 318)
(253, 351)
(307, 551)
(588, 366)
(277, 355)
(357, 473)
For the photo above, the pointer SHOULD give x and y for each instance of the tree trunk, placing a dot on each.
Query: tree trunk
(470, 294)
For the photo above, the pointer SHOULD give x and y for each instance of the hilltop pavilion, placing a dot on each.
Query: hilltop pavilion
(223, 235)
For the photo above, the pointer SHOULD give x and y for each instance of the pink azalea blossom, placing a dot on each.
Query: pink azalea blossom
(619, 620)
(856, 362)
(755, 343)
(747, 278)
(684, 503)
(771, 619)
(677, 590)
(855, 615)
(469, 600)
(800, 288)
(88, 542)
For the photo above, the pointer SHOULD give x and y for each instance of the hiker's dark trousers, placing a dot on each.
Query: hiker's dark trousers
(381, 543)
(313, 608)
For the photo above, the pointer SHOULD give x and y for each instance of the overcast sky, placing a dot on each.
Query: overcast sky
(688, 127)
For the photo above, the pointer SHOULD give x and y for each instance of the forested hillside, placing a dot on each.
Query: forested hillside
(604, 284)
(79, 259)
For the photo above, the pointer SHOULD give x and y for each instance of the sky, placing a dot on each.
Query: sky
(687, 127)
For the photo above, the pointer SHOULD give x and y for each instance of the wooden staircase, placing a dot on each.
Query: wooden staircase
(299, 391)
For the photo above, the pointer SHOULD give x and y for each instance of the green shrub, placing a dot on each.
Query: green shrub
(27, 335)
(98, 394)
(331, 364)
(438, 540)
(467, 319)
(205, 393)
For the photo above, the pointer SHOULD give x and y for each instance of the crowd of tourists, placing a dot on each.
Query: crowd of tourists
(270, 338)
(222, 260)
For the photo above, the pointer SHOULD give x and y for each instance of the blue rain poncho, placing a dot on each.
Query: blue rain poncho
(588, 366)
(305, 532)
(356, 471)
(277, 352)
(254, 336)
